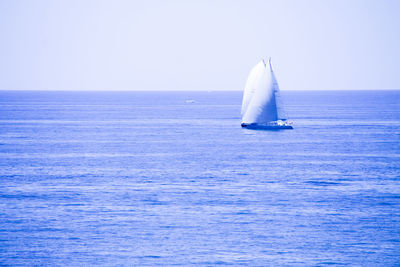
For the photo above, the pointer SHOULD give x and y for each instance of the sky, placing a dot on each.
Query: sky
(198, 45)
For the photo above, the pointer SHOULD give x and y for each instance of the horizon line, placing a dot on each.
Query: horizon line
(163, 90)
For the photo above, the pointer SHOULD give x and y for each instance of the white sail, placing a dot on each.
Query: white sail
(260, 103)
(278, 99)
(251, 85)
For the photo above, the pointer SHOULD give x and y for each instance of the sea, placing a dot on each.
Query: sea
(171, 179)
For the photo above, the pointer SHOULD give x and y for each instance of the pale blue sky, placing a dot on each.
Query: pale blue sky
(198, 45)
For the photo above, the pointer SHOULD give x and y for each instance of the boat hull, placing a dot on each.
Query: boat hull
(266, 127)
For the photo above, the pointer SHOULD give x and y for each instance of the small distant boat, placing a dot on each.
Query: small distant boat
(262, 105)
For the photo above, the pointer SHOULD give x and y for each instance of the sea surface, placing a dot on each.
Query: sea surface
(170, 178)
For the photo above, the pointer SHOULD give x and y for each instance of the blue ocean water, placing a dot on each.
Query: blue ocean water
(148, 178)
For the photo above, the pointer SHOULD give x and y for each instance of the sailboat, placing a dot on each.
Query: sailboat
(262, 106)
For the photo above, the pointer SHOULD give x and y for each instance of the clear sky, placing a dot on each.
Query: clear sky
(198, 45)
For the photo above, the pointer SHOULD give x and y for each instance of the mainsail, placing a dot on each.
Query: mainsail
(279, 105)
(261, 98)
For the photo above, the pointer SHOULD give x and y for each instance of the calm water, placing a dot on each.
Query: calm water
(144, 178)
